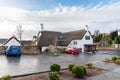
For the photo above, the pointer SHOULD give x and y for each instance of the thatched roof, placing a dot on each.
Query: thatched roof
(57, 38)
(67, 37)
(48, 38)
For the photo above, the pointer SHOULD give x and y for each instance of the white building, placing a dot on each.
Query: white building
(81, 42)
(12, 41)
(75, 39)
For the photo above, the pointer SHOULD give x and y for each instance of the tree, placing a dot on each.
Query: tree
(117, 40)
(110, 40)
(97, 38)
(19, 31)
(113, 35)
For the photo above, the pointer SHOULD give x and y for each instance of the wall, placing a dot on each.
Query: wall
(24, 49)
(29, 50)
(84, 41)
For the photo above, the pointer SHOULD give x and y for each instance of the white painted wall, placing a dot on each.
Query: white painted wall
(13, 42)
(118, 33)
(82, 42)
(43, 48)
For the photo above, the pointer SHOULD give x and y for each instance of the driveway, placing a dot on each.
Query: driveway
(27, 64)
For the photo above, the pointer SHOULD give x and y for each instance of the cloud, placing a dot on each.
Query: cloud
(61, 18)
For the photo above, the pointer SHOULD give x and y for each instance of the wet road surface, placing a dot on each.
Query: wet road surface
(27, 64)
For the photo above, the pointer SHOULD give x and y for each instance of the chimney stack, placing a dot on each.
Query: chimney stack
(42, 27)
(87, 27)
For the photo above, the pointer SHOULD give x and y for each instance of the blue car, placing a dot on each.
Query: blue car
(13, 50)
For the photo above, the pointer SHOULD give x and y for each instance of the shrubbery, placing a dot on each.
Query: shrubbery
(47, 50)
(107, 60)
(61, 49)
(118, 57)
(53, 76)
(55, 67)
(70, 66)
(7, 77)
(117, 61)
(114, 58)
(85, 72)
(78, 71)
(89, 64)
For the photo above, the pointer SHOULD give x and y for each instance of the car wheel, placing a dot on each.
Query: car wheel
(77, 53)
(19, 55)
(7, 55)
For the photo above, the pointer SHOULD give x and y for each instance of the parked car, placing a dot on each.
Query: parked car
(13, 50)
(72, 51)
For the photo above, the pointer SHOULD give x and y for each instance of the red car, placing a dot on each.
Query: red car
(72, 50)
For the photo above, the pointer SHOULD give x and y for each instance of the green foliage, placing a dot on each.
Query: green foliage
(114, 58)
(71, 66)
(78, 71)
(53, 76)
(97, 38)
(118, 57)
(55, 67)
(113, 35)
(107, 60)
(89, 64)
(47, 50)
(7, 77)
(117, 40)
(61, 49)
(85, 72)
(110, 40)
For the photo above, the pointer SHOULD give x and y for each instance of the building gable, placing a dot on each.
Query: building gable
(12, 41)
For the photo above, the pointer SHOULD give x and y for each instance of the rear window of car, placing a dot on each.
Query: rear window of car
(14, 47)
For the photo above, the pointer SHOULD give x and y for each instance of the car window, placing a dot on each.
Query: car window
(14, 47)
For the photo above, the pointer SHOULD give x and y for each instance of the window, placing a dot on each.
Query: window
(74, 42)
(87, 37)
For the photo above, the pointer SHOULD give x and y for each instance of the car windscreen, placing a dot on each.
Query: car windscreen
(14, 47)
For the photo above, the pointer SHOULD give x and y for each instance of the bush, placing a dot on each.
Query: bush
(47, 50)
(61, 49)
(89, 64)
(85, 72)
(55, 67)
(114, 58)
(107, 60)
(117, 61)
(53, 76)
(78, 71)
(7, 77)
(118, 57)
(71, 66)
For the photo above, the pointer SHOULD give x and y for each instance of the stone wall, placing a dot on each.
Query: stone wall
(2, 49)
(24, 49)
(29, 50)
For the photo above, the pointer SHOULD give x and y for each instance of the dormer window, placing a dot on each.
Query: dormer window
(87, 37)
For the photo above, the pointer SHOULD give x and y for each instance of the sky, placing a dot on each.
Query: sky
(57, 15)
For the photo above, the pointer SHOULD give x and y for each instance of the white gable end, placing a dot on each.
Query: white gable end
(13, 42)
(87, 39)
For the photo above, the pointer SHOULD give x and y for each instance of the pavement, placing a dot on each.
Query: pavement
(112, 74)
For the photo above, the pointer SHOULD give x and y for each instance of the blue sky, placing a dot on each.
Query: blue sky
(58, 15)
(48, 4)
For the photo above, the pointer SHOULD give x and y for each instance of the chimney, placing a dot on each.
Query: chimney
(42, 27)
(87, 27)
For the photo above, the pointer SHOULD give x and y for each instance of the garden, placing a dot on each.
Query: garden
(73, 72)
